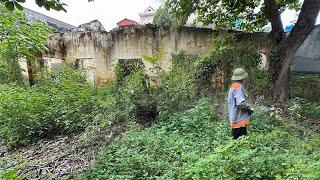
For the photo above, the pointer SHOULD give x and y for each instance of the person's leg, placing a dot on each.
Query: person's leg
(243, 131)
(235, 133)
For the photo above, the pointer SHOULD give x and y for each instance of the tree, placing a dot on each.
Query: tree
(255, 14)
(20, 40)
(48, 4)
(162, 16)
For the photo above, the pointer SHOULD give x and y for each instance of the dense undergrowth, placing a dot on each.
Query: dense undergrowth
(178, 127)
(190, 142)
(60, 103)
(196, 144)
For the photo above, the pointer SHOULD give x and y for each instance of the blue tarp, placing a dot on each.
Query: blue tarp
(288, 28)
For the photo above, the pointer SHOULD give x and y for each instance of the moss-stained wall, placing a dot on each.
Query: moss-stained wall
(104, 49)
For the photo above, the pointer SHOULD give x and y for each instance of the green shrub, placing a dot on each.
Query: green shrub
(160, 151)
(195, 144)
(127, 67)
(4, 72)
(163, 92)
(59, 104)
(114, 106)
(304, 111)
(9, 175)
(259, 82)
(175, 91)
(222, 59)
(268, 156)
(306, 86)
(137, 89)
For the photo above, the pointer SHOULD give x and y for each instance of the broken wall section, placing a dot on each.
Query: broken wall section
(102, 50)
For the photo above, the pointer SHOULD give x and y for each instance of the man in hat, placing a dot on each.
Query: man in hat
(238, 106)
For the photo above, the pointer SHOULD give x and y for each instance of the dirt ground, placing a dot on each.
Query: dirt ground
(60, 157)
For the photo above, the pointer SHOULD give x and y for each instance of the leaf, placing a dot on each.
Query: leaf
(18, 6)
(39, 3)
(47, 6)
(10, 5)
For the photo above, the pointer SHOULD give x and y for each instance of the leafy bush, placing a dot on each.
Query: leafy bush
(9, 175)
(259, 82)
(60, 103)
(137, 89)
(175, 92)
(195, 144)
(154, 153)
(144, 96)
(306, 86)
(176, 88)
(4, 72)
(225, 56)
(114, 106)
(305, 112)
(127, 67)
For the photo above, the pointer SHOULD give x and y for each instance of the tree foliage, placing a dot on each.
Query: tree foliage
(57, 5)
(19, 39)
(250, 14)
(163, 16)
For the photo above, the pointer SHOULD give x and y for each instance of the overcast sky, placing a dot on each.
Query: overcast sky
(109, 12)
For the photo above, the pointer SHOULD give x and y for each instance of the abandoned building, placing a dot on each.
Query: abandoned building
(90, 46)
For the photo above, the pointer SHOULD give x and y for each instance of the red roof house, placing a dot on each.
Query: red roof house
(126, 22)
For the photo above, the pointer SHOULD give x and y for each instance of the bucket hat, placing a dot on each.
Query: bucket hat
(239, 74)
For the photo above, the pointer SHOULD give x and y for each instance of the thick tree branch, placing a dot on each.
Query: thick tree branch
(301, 30)
(274, 17)
(305, 24)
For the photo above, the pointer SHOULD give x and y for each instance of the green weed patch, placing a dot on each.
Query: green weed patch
(195, 144)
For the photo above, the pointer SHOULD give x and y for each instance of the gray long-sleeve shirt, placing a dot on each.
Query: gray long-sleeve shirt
(237, 106)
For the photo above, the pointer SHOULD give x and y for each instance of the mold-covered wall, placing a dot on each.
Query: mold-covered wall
(104, 49)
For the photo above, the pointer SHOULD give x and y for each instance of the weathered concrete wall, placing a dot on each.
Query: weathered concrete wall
(95, 46)
(104, 49)
(307, 58)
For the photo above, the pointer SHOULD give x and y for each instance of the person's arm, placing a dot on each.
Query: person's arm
(241, 100)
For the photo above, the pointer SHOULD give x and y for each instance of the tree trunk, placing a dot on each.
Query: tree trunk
(284, 49)
(276, 35)
(15, 71)
(30, 72)
(289, 46)
(273, 14)
(33, 66)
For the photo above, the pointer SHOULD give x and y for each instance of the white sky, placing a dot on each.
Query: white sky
(109, 12)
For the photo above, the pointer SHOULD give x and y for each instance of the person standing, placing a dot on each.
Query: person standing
(238, 107)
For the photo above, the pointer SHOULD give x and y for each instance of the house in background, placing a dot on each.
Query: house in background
(58, 26)
(146, 17)
(126, 22)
